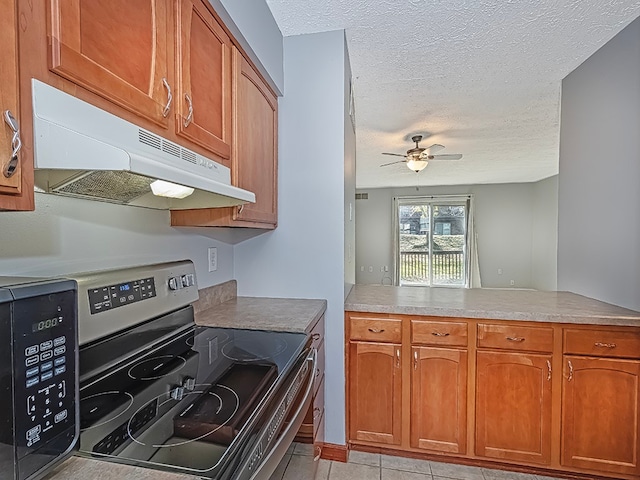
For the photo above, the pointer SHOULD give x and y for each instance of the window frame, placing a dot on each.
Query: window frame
(465, 200)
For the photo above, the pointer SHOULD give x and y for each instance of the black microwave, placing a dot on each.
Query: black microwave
(38, 375)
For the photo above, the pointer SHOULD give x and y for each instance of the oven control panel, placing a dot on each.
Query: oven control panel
(114, 296)
(45, 368)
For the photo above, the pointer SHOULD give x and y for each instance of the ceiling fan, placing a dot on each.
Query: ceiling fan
(418, 158)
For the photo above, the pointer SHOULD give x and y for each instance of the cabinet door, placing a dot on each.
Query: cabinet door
(439, 399)
(116, 49)
(8, 95)
(203, 65)
(255, 145)
(600, 414)
(513, 406)
(375, 383)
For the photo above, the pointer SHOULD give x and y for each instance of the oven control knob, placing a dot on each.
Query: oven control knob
(189, 384)
(188, 280)
(174, 283)
(177, 393)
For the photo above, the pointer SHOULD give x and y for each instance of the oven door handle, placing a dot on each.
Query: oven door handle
(277, 452)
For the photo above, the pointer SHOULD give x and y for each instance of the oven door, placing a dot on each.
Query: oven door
(278, 430)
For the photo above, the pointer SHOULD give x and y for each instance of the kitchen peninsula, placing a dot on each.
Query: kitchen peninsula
(503, 378)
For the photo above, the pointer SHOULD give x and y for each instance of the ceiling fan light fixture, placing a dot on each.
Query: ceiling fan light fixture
(417, 164)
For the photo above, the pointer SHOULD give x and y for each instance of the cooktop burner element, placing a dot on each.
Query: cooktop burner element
(212, 398)
(156, 367)
(101, 408)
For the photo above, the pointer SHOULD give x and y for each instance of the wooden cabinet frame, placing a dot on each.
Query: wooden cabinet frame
(547, 348)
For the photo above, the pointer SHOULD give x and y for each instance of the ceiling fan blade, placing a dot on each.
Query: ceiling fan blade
(392, 163)
(436, 147)
(394, 154)
(446, 156)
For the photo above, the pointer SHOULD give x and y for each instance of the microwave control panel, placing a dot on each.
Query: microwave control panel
(45, 368)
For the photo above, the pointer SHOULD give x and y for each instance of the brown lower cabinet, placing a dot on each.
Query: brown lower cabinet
(375, 392)
(532, 396)
(513, 406)
(439, 399)
(600, 427)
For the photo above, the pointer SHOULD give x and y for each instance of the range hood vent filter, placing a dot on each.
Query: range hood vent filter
(118, 187)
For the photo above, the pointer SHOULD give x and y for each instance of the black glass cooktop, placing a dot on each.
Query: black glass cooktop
(180, 404)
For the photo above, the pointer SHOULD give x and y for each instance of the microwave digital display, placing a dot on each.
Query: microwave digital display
(44, 324)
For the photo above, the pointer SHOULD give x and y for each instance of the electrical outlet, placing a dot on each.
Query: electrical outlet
(512, 282)
(213, 259)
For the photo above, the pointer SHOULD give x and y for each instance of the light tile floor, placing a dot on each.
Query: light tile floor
(298, 462)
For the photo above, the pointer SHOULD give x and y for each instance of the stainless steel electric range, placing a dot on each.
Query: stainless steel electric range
(158, 391)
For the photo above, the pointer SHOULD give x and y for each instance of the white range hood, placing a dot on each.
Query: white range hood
(83, 151)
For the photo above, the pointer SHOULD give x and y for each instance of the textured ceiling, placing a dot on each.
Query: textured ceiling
(482, 78)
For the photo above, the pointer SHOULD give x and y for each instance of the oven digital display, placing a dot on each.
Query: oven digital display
(113, 296)
(44, 325)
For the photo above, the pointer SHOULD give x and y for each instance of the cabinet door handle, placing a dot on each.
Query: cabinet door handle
(570, 371)
(397, 357)
(438, 334)
(315, 336)
(187, 120)
(415, 359)
(605, 345)
(16, 144)
(317, 372)
(316, 412)
(167, 107)
(376, 330)
(549, 370)
(515, 339)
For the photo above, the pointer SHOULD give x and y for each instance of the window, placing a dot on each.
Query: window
(431, 241)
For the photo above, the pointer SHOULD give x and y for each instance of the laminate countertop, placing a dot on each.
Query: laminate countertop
(257, 313)
(498, 304)
(279, 314)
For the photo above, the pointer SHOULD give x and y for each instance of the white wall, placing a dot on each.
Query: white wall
(544, 261)
(504, 221)
(303, 257)
(599, 182)
(65, 235)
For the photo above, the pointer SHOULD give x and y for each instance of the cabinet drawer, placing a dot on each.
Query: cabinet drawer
(376, 329)
(439, 333)
(602, 343)
(515, 337)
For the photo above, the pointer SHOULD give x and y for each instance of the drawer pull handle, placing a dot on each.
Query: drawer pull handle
(376, 330)
(570, 371)
(605, 345)
(397, 357)
(319, 450)
(415, 359)
(315, 336)
(549, 369)
(438, 334)
(515, 339)
(316, 412)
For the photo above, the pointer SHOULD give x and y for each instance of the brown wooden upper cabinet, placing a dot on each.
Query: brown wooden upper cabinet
(116, 49)
(203, 66)
(254, 160)
(16, 181)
